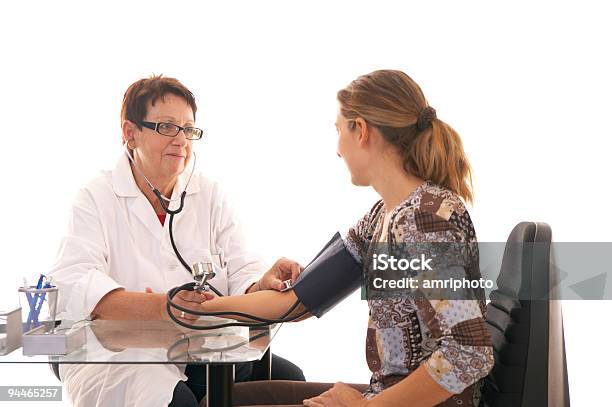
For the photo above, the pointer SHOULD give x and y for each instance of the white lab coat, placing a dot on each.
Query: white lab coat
(114, 240)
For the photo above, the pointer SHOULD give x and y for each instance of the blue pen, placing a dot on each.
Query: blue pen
(40, 281)
(32, 315)
(40, 304)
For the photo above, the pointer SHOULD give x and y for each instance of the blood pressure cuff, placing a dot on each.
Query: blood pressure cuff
(329, 278)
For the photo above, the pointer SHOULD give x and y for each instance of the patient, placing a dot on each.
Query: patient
(422, 352)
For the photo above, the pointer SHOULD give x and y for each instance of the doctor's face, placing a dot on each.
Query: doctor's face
(162, 157)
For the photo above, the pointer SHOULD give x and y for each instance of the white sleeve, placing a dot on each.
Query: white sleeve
(243, 267)
(81, 268)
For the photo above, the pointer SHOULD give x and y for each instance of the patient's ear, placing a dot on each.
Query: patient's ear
(363, 132)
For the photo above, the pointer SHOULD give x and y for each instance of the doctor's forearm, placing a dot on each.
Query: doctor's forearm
(268, 304)
(128, 305)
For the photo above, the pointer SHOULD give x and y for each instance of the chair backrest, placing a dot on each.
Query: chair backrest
(526, 325)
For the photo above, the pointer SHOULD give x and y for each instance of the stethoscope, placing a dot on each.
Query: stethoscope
(201, 272)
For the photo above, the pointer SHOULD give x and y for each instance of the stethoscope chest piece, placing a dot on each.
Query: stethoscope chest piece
(202, 272)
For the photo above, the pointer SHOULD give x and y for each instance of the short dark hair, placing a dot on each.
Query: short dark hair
(144, 91)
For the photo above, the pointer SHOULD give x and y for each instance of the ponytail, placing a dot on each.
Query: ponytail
(437, 155)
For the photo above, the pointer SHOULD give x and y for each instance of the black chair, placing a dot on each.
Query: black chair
(526, 326)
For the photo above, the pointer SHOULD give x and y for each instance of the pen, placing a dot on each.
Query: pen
(39, 304)
(33, 314)
(40, 281)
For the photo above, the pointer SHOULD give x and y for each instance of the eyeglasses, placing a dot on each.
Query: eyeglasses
(172, 130)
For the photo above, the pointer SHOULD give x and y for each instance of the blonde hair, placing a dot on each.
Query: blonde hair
(431, 149)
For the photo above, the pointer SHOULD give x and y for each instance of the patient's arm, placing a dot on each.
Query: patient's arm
(267, 304)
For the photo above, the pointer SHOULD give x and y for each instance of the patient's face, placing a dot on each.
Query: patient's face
(354, 155)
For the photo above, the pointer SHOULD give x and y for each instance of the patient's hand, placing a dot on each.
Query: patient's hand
(341, 395)
(283, 269)
(188, 299)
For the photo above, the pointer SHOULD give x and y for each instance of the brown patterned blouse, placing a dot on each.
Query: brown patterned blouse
(447, 336)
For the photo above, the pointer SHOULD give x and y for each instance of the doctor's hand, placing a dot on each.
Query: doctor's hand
(187, 299)
(341, 395)
(283, 269)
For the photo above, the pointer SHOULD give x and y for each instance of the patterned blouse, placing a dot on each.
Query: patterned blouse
(448, 337)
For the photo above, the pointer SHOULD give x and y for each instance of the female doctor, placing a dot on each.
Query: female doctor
(117, 262)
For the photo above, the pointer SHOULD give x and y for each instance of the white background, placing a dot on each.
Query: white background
(526, 84)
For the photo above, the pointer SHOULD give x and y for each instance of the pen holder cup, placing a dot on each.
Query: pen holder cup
(38, 307)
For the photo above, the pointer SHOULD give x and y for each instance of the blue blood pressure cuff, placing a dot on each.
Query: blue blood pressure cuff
(329, 278)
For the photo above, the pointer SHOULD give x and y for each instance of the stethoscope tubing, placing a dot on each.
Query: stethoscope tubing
(165, 204)
(263, 321)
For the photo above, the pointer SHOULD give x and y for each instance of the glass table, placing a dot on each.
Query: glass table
(161, 342)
